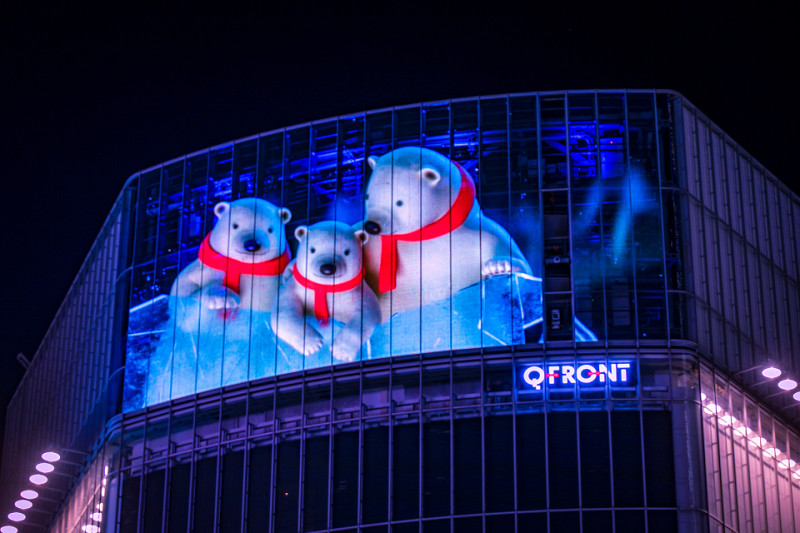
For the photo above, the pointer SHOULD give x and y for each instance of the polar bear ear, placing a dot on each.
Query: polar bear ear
(221, 208)
(372, 161)
(431, 176)
(300, 233)
(285, 215)
(361, 236)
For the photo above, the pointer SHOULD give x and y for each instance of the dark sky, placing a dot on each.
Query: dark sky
(91, 96)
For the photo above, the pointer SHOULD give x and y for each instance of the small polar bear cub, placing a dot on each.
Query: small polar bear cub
(241, 259)
(430, 237)
(326, 281)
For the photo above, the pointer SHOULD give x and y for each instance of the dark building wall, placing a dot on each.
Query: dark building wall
(742, 265)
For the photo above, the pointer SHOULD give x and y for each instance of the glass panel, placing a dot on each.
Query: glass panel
(205, 503)
(259, 488)
(645, 207)
(524, 210)
(557, 259)
(562, 460)
(375, 488)
(499, 465)
(245, 160)
(627, 458)
(554, 142)
(466, 465)
(154, 499)
(315, 483)
(436, 468)
(405, 469)
(287, 484)
(595, 459)
(180, 480)
(597, 522)
(531, 483)
(658, 459)
(344, 491)
(129, 511)
(230, 510)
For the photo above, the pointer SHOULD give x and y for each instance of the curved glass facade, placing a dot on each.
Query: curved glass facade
(479, 223)
(446, 444)
(531, 312)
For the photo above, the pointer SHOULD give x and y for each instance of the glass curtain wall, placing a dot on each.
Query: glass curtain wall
(570, 197)
(439, 445)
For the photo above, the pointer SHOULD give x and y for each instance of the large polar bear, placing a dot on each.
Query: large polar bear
(219, 304)
(433, 238)
(326, 281)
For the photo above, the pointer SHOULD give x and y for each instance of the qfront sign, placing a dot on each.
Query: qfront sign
(582, 374)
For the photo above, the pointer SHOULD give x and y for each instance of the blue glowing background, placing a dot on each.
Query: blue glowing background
(574, 183)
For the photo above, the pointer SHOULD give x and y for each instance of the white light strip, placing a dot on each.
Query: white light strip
(724, 419)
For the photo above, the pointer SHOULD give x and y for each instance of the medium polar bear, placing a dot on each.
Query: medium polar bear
(241, 259)
(326, 280)
(433, 238)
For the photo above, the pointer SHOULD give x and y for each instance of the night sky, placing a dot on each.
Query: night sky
(90, 96)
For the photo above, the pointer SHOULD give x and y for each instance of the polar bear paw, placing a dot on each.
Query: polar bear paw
(220, 298)
(498, 267)
(312, 341)
(345, 346)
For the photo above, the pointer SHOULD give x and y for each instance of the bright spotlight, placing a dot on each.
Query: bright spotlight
(51, 457)
(771, 372)
(38, 479)
(28, 494)
(787, 384)
(23, 504)
(772, 452)
(16, 517)
(91, 529)
(45, 468)
(8, 529)
(97, 517)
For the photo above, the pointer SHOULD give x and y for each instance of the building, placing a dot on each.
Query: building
(584, 345)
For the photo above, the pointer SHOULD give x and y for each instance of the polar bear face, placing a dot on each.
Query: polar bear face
(329, 252)
(409, 188)
(250, 230)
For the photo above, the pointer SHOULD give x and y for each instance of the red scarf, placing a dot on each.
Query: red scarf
(455, 217)
(234, 269)
(321, 291)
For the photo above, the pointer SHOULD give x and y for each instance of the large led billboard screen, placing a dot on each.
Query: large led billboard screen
(354, 239)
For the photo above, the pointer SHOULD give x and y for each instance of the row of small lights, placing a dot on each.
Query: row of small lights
(725, 419)
(28, 495)
(787, 384)
(97, 515)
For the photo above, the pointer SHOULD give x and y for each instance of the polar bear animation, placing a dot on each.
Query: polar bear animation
(220, 302)
(324, 282)
(432, 238)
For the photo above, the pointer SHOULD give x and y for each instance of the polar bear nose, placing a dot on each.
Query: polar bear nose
(252, 245)
(373, 228)
(327, 269)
